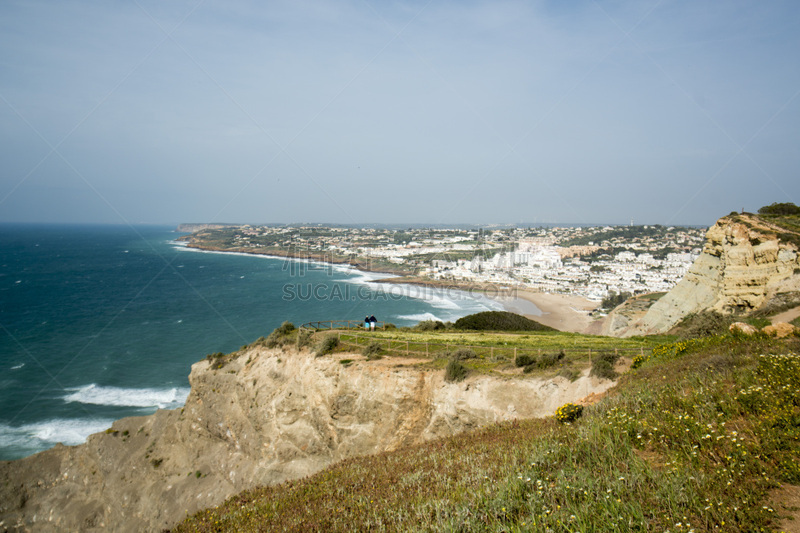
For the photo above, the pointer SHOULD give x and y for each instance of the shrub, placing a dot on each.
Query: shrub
(603, 366)
(787, 208)
(569, 412)
(327, 345)
(455, 371)
(372, 351)
(304, 337)
(462, 354)
(499, 321)
(430, 325)
(217, 360)
(547, 360)
(613, 299)
(274, 340)
(704, 324)
(523, 360)
(569, 373)
(280, 336)
(285, 328)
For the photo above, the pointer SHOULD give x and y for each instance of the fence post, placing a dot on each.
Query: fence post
(426, 349)
(491, 352)
(641, 351)
(406, 348)
(515, 353)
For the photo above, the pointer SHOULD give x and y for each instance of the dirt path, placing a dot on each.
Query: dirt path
(786, 502)
(786, 316)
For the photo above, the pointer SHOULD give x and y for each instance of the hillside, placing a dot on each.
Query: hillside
(499, 321)
(270, 413)
(703, 436)
(749, 264)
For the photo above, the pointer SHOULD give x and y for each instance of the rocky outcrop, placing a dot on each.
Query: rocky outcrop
(744, 264)
(264, 417)
(743, 328)
(780, 330)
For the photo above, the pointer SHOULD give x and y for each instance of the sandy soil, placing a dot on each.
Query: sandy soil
(786, 502)
(786, 316)
(564, 312)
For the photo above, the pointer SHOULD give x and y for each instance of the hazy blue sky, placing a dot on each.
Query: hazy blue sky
(671, 112)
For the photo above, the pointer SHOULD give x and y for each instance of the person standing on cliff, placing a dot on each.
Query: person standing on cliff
(366, 323)
(373, 322)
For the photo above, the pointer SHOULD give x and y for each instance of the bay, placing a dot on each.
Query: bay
(102, 322)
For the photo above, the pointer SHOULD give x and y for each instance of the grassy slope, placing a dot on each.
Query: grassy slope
(495, 351)
(692, 440)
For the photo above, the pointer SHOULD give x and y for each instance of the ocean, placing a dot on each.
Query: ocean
(102, 322)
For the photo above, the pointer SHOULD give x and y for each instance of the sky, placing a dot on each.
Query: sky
(426, 112)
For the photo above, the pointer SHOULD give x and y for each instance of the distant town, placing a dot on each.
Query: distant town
(593, 262)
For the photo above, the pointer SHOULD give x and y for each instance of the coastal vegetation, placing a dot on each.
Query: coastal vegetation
(327, 345)
(372, 351)
(776, 208)
(707, 323)
(614, 299)
(697, 438)
(455, 371)
(603, 365)
(280, 336)
(499, 321)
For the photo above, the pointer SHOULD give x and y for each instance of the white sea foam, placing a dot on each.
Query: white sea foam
(42, 435)
(183, 246)
(17, 367)
(98, 395)
(359, 277)
(420, 317)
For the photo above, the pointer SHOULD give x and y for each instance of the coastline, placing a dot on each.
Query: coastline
(564, 312)
(318, 257)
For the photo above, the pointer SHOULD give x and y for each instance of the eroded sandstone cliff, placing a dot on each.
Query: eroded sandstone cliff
(264, 417)
(745, 263)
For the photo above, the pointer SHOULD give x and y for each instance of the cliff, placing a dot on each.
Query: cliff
(746, 262)
(264, 417)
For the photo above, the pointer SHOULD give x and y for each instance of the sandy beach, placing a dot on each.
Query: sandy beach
(564, 312)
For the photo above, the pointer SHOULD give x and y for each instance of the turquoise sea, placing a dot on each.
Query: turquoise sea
(102, 322)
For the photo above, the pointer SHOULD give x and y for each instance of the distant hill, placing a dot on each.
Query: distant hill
(191, 228)
(499, 321)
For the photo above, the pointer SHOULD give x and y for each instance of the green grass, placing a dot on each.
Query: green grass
(493, 352)
(691, 441)
(545, 341)
(496, 351)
